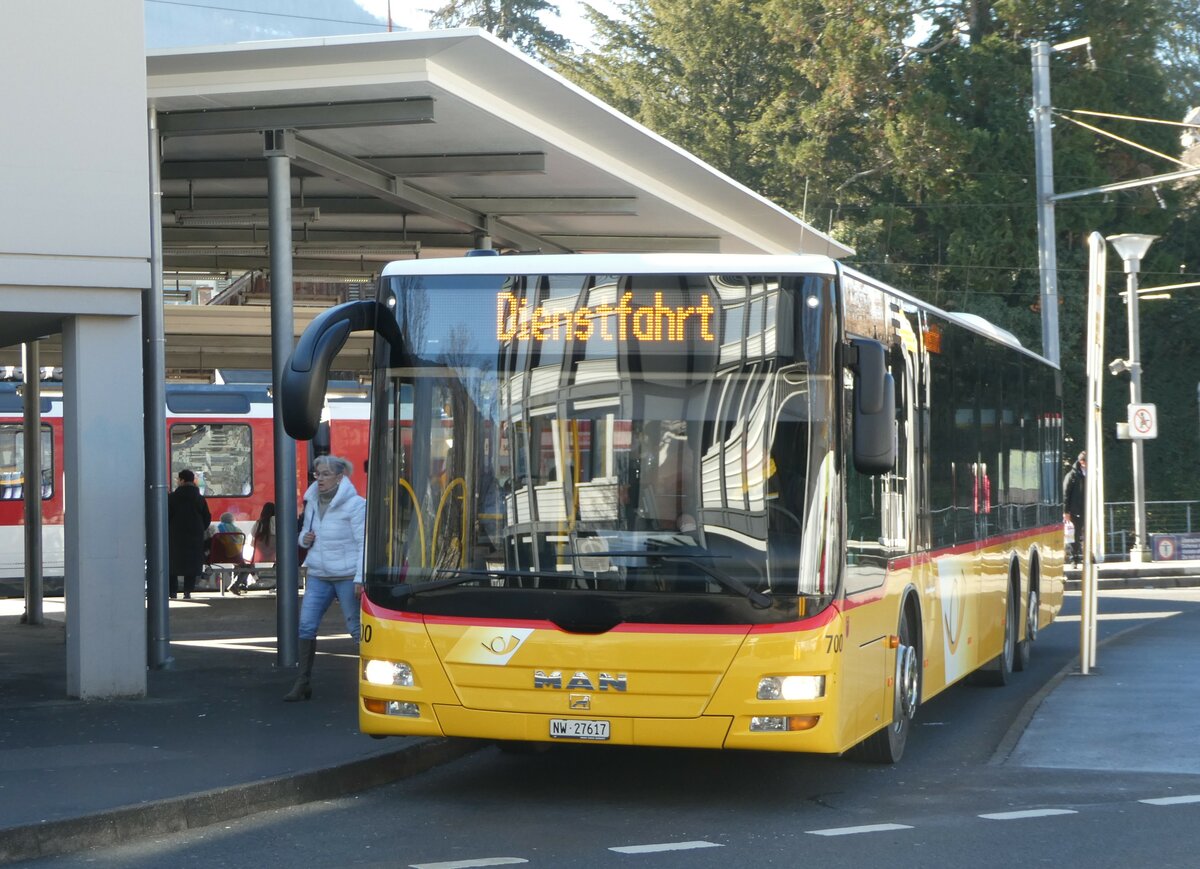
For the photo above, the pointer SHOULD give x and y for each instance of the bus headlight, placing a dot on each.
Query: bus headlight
(379, 672)
(791, 688)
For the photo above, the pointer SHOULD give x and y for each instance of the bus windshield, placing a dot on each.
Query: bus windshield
(664, 435)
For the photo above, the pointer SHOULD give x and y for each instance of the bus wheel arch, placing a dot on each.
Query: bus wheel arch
(1032, 603)
(886, 745)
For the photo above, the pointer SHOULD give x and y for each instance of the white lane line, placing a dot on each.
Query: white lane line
(665, 846)
(851, 831)
(1124, 617)
(1172, 801)
(470, 864)
(1028, 813)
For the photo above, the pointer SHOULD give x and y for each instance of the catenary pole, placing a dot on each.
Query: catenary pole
(1044, 161)
(1093, 509)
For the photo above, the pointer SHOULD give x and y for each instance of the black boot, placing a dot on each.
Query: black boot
(302, 689)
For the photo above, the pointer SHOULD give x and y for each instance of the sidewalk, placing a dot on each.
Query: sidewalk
(1151, 574)
(212, 740)
(1136, 712)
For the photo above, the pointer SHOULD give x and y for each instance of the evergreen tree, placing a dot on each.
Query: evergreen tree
(905, 127)
(514, 21)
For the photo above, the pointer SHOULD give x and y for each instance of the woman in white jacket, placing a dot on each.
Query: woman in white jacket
(332, 531)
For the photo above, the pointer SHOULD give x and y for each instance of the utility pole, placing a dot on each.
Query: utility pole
(1044, 161)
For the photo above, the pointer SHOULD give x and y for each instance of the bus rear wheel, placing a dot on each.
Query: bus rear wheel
(998, 673)
(887, 745)
(1025, 646)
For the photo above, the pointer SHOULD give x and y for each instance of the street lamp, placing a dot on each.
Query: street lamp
(1132, 247)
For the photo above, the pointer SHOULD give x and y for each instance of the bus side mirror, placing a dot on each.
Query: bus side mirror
(306, 374)
(874, 408)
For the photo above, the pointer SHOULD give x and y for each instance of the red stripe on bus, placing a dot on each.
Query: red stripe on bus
(907, 561)
(822, 618)
(863, 598)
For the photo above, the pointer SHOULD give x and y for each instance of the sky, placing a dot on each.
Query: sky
(412, 13)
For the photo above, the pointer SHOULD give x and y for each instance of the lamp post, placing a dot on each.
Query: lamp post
(1132, 247)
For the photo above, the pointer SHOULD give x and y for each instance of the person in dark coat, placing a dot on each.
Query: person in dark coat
(187, 521)
(1074, 486)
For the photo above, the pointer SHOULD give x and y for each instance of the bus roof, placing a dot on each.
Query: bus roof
(613, 263)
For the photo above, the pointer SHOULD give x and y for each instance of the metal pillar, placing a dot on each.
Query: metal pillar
(1044, 160)
(1093, 511)
(32, 484)
(1132, 248)
(154, 410)
(287, 573)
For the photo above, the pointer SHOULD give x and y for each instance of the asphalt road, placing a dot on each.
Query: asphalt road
(951, 801)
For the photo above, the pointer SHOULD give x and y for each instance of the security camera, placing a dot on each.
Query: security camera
(1118, 367)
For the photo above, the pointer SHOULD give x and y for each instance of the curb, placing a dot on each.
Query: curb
(1112, 582)
(176, 814)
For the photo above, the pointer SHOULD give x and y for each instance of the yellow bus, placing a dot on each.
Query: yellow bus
(708, 501)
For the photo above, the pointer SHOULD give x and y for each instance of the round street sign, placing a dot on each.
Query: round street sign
(1143, 421)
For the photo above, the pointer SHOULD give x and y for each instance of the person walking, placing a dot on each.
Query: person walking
(332, 531)
(1074, 490)
(187, 522)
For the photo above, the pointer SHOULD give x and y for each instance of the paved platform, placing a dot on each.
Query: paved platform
(1151, 574)
(213, 741)
(1136, 712)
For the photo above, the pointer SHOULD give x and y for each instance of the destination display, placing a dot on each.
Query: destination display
(517, 320)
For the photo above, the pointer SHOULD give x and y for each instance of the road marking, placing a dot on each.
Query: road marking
(850, 831)
(1172, 801)
(1028, 813)
(665, 846)
(470, 864)
(1124, 617)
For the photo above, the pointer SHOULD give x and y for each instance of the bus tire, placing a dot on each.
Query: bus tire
(1025, 646)
(887, 745)
(998, 672)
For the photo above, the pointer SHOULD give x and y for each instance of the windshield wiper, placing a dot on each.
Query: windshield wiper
(405, 591)
(688, 555)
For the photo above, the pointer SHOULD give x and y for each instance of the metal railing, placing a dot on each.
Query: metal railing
(1162, 517)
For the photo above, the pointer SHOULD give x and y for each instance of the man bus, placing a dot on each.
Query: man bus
(689, 500)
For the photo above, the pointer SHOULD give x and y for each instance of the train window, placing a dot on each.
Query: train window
(207, 402)
(219, 454)
(12, 463)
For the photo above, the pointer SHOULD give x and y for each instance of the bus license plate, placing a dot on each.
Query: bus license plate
(578, 728)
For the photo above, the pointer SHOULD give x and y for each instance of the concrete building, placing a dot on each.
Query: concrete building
(74, 262)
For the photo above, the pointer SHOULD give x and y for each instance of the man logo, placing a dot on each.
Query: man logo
(580, 701)
(580, 681)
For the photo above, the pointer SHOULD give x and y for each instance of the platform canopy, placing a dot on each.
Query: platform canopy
(414, 144)
(420, 144)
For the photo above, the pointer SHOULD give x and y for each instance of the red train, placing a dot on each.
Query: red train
(222, 432)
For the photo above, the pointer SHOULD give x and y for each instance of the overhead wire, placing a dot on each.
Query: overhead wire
(293, 16)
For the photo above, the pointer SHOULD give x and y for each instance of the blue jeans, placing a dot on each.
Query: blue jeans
(318, 595)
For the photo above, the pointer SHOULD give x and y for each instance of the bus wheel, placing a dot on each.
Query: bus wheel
(999, 671)
(887, 745)
(1025, 646)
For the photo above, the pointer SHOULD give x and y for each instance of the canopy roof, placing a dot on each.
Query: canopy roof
(416, 143)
